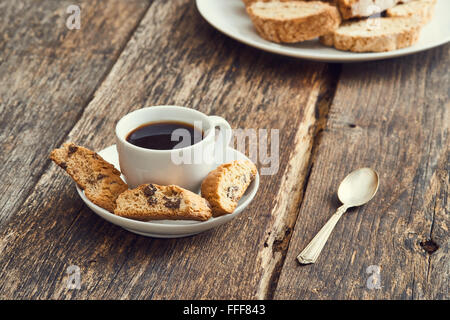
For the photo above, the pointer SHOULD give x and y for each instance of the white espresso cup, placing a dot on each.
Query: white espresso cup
(186, 166)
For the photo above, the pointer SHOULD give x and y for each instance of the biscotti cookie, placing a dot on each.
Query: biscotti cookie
(154, 202)
(423, 9)
(224, 186)
(364, 8)
(374, 35)
(99, 179)
(293, 21)
(249, 2)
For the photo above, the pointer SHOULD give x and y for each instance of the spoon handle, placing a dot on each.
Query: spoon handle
(313, 249)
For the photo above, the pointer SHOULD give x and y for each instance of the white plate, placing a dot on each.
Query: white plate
(170, 228)
(229, 17)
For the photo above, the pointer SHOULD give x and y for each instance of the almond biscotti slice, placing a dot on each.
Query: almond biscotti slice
(224, 186)
(364, 8)
(98, 178)
(293, 21)
(154, 202)
(375, 35)
(249, 2)
(423, 9)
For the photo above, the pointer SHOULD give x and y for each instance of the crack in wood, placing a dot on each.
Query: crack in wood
(277, 242)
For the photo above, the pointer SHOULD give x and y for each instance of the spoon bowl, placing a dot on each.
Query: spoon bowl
(358, 187)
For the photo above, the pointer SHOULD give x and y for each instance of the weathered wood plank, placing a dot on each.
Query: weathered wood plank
(392, 116)
(48, 74)
(173, 58)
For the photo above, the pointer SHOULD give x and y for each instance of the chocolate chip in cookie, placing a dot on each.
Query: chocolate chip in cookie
(149, 190)
(231, 192)
(152, 201)
(72, 149)
(172, 203)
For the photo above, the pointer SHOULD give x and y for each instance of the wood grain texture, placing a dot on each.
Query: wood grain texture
(174, 57)
(392, 116)
(48, 74)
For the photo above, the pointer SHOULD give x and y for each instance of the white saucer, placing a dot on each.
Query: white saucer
(169, 228)
(230, 18)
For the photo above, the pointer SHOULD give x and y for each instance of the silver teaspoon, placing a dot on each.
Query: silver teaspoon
(355, 190)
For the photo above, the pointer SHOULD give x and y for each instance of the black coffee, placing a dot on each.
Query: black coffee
(165, 135)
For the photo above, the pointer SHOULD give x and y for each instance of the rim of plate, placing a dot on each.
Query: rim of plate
(324, 57)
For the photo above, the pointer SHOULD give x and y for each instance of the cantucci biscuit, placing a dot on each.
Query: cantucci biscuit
(224, 186)
(293, 21)
(423, 9)
(98, 178)
(375, 35)
(364, 8)
(155, 202)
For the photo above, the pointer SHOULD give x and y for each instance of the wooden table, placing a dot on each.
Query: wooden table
(60, 85)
